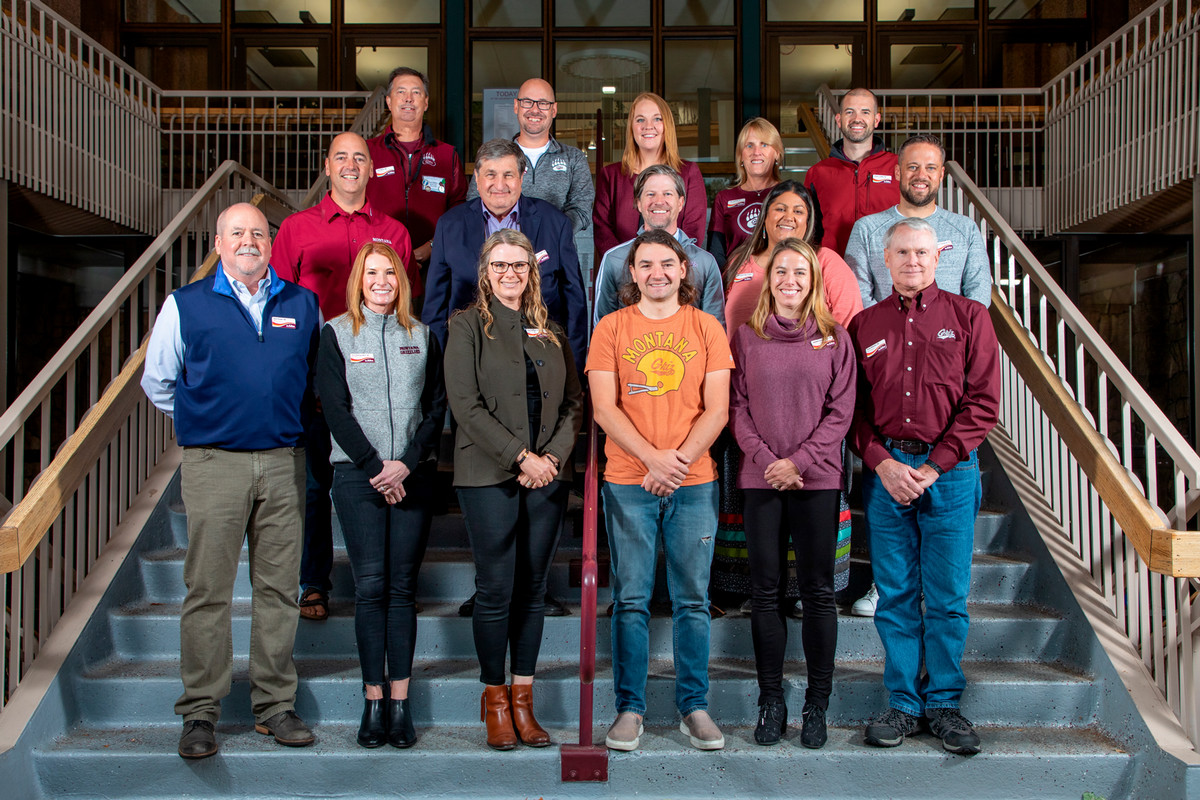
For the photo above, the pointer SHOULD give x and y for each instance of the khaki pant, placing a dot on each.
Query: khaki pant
(230, 496)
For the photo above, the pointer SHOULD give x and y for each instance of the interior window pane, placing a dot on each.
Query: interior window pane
(698, 12)
(604, 75)
(166, 11)
(814, 11)
(173, 67)
(372, 65)
(1037, 9)
(699, 85)
(380, 12)
(927, 66)
(927, 10)
(497, 70)
(802, 70)
(1034, 63)
(601, 13)
(494, 14)
(281, 12)
(283, 68)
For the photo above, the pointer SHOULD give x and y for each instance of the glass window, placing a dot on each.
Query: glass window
(491, 14)
(813, 11)
(174, 67)
(697, 12)
(698, 80)
(802, 70)
(1038, 9)
(497, 70)
(388, 12)
(601, 13)
(281, 12)
(926, 10)
(164, 11)
(927, 66)
(373, 64)
(1034, 63)
(281, 68)
(604, 75)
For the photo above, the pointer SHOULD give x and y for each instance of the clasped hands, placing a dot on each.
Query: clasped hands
(903, 482)
(390, 481)
(537, 471)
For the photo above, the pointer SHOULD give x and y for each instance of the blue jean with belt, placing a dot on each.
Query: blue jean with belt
(925, 546)
(686, 524)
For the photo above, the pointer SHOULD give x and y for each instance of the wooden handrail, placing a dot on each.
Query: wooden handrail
(1165, 550)
(30, 519)
(359, 126)
(815, 132)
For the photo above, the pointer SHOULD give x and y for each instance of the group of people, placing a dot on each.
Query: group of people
(317, 372)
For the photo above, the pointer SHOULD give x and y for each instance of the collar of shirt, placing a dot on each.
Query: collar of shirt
(919, 303)
(680, 236)
(495, 223)
(253, 303)
(330, 210)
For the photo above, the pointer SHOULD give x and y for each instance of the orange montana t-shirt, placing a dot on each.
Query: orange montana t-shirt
(660, 366)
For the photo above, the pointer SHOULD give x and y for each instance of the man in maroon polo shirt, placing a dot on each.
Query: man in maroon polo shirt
(316, 248)
(416, 177)
(928, 394)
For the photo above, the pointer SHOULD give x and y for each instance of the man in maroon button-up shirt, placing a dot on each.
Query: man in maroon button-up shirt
(929, 393)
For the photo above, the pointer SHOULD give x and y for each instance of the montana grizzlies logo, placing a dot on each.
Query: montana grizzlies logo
(748, 217)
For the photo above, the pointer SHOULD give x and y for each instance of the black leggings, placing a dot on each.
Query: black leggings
(514, 532)
(810, 520)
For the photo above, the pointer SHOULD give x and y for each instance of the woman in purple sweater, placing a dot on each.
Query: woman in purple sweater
(792, 400)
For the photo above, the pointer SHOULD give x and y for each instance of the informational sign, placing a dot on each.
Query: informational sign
(499, 119)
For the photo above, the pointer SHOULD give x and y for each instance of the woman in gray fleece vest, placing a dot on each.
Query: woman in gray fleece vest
(379, 378)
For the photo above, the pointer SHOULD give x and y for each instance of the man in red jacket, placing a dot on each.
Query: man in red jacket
(858, 177)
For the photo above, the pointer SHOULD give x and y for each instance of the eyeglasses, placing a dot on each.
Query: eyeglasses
(544, 105)
(501, 267)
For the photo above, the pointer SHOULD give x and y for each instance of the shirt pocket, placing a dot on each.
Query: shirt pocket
(945, 362)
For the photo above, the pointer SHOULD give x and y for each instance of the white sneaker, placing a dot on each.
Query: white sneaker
(625, 733)
(747, 607)
(865, 605)
(702, 731)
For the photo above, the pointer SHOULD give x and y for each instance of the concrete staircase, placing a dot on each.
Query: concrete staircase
(1055, 721)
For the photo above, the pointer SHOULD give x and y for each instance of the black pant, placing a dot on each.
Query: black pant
(810, 520)
(514, 532)
(386, 545)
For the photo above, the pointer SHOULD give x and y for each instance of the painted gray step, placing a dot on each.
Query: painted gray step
(1004, 631)
(447, 693)
(452, 762)
(449, 576)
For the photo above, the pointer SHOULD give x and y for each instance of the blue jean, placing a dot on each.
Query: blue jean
(686, 524)
(316, 562)
(923, 547)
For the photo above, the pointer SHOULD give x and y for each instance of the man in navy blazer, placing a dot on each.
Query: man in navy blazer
(453, 266)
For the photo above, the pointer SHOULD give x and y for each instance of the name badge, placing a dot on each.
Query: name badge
(880, 178)
(817, 344)
(283, 322)
(876, 348)
(535, 333)
(944, 246)
(384, 171)
(741, 201)
(542, 256)
(742, 276)
(362, 358)
(431, 184)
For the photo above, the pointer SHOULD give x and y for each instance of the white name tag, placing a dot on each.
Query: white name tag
(382, 171)
(431, 184)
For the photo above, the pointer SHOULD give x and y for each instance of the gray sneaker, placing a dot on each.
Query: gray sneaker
(890, 728)
(702, 731)
(955, 730)
(625, 733)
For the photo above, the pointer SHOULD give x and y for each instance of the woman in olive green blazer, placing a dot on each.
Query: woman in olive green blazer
(515, 394)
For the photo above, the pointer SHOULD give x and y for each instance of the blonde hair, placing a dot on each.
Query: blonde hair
(354, 287)
(815, 305)
(532, 305)
(630, 159)
(769, 135)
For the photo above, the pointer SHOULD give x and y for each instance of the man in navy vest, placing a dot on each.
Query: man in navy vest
(230, 359)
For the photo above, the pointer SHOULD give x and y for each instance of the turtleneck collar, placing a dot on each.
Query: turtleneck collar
(782, 328)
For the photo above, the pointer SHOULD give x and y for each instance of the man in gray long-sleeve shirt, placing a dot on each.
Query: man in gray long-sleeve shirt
(963, 266)
(558, 173)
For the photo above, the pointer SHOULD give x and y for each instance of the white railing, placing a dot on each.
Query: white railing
(1146, 454)
(76, 122)
(368, 123)
(996, 134)
(1123, 122)
(45, 554)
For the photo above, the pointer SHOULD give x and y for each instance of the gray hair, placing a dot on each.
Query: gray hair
(916, 224)
(401, 71)
(657, 169)
(494, 149)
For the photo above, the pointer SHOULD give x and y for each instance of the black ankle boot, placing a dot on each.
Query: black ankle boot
(372, 733)
(400, 725)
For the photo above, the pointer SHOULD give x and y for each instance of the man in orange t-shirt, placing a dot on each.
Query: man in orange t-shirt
(658, 370)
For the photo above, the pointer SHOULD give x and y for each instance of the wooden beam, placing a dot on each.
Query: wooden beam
(815, 132)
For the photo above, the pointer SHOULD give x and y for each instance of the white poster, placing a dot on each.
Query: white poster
(499, 120)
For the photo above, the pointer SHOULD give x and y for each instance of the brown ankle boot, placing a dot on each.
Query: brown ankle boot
(527, 727)
(495, 710)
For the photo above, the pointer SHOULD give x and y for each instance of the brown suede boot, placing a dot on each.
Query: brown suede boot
(495, 710)
(527, 727)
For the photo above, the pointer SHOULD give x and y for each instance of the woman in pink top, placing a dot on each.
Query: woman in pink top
(649, 139)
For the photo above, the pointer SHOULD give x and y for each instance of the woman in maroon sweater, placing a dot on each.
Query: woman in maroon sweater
(791, 404)
(649, 139)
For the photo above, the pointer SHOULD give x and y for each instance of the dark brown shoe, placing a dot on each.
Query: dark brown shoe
(287, 728)
(528, 730)
(495, 711)
(199, 739)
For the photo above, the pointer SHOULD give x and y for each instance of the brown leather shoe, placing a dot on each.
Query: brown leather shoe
(495, 710)
(528, 730)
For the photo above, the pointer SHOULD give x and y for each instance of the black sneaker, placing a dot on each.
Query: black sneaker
(955, 730)
(772, 723)
(890, 729)
(813, 735)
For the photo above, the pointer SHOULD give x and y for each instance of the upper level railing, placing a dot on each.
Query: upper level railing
(90, 431)
(1123, 122)
(1121, 480)
(76, 122)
